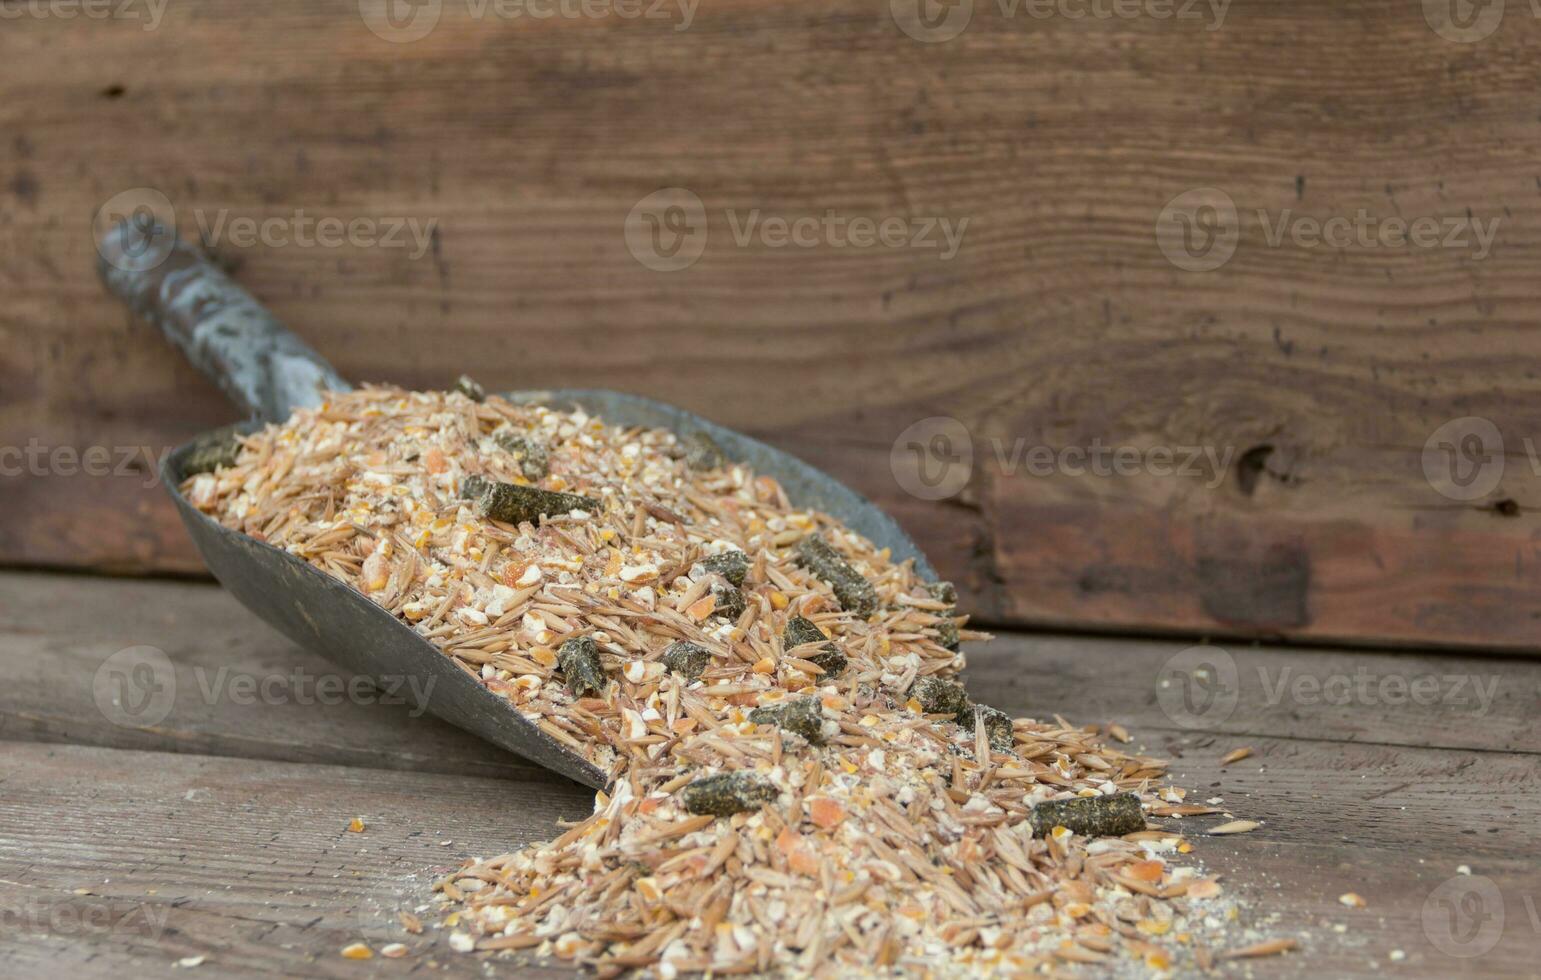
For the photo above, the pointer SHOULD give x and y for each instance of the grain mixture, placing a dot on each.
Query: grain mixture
(799, 783)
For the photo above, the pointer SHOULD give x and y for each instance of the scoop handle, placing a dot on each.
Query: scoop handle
(220, 327)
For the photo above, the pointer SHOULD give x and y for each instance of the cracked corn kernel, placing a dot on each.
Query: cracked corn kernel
(357, 951)
(649, 889)
(1203, 888)
(825, 812)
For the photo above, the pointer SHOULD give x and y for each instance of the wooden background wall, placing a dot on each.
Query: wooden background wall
(1322, 371)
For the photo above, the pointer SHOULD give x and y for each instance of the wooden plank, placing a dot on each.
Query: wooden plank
(1060, 322)
(242, 689)
(1378, 755)
(248, 862)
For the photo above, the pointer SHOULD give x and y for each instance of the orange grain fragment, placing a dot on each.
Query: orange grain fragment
(702, 608)
(1204, 888)
(1150, 871)
(825, 812)
(800, 857)
(512, 572)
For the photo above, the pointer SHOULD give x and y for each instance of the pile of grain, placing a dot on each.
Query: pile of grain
(784, 796)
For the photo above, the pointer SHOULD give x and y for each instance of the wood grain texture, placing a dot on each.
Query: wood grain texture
(219, 831)
(1317, 373)
(242, 689)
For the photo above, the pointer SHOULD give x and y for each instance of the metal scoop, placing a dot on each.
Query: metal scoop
(269, 371)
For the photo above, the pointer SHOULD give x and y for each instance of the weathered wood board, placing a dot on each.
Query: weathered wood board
(218, 830)
(1314, 373)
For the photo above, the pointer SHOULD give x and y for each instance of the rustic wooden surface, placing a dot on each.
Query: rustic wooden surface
(218, 831)
(1321, 371)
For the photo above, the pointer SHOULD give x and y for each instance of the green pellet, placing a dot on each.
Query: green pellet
(730, 602)
(686, 659)
(581, 669)
(1091, 816)
(468, 387)
(702, 451)
(533, 459)
(855, 593)
(802, 716)
(947, 634)
(728, 793)
(946, 631)
(731, 565)
(514, 504)
(998, 728)
(212, 455)
(943, 592)
(799, 631)
(941, 697)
